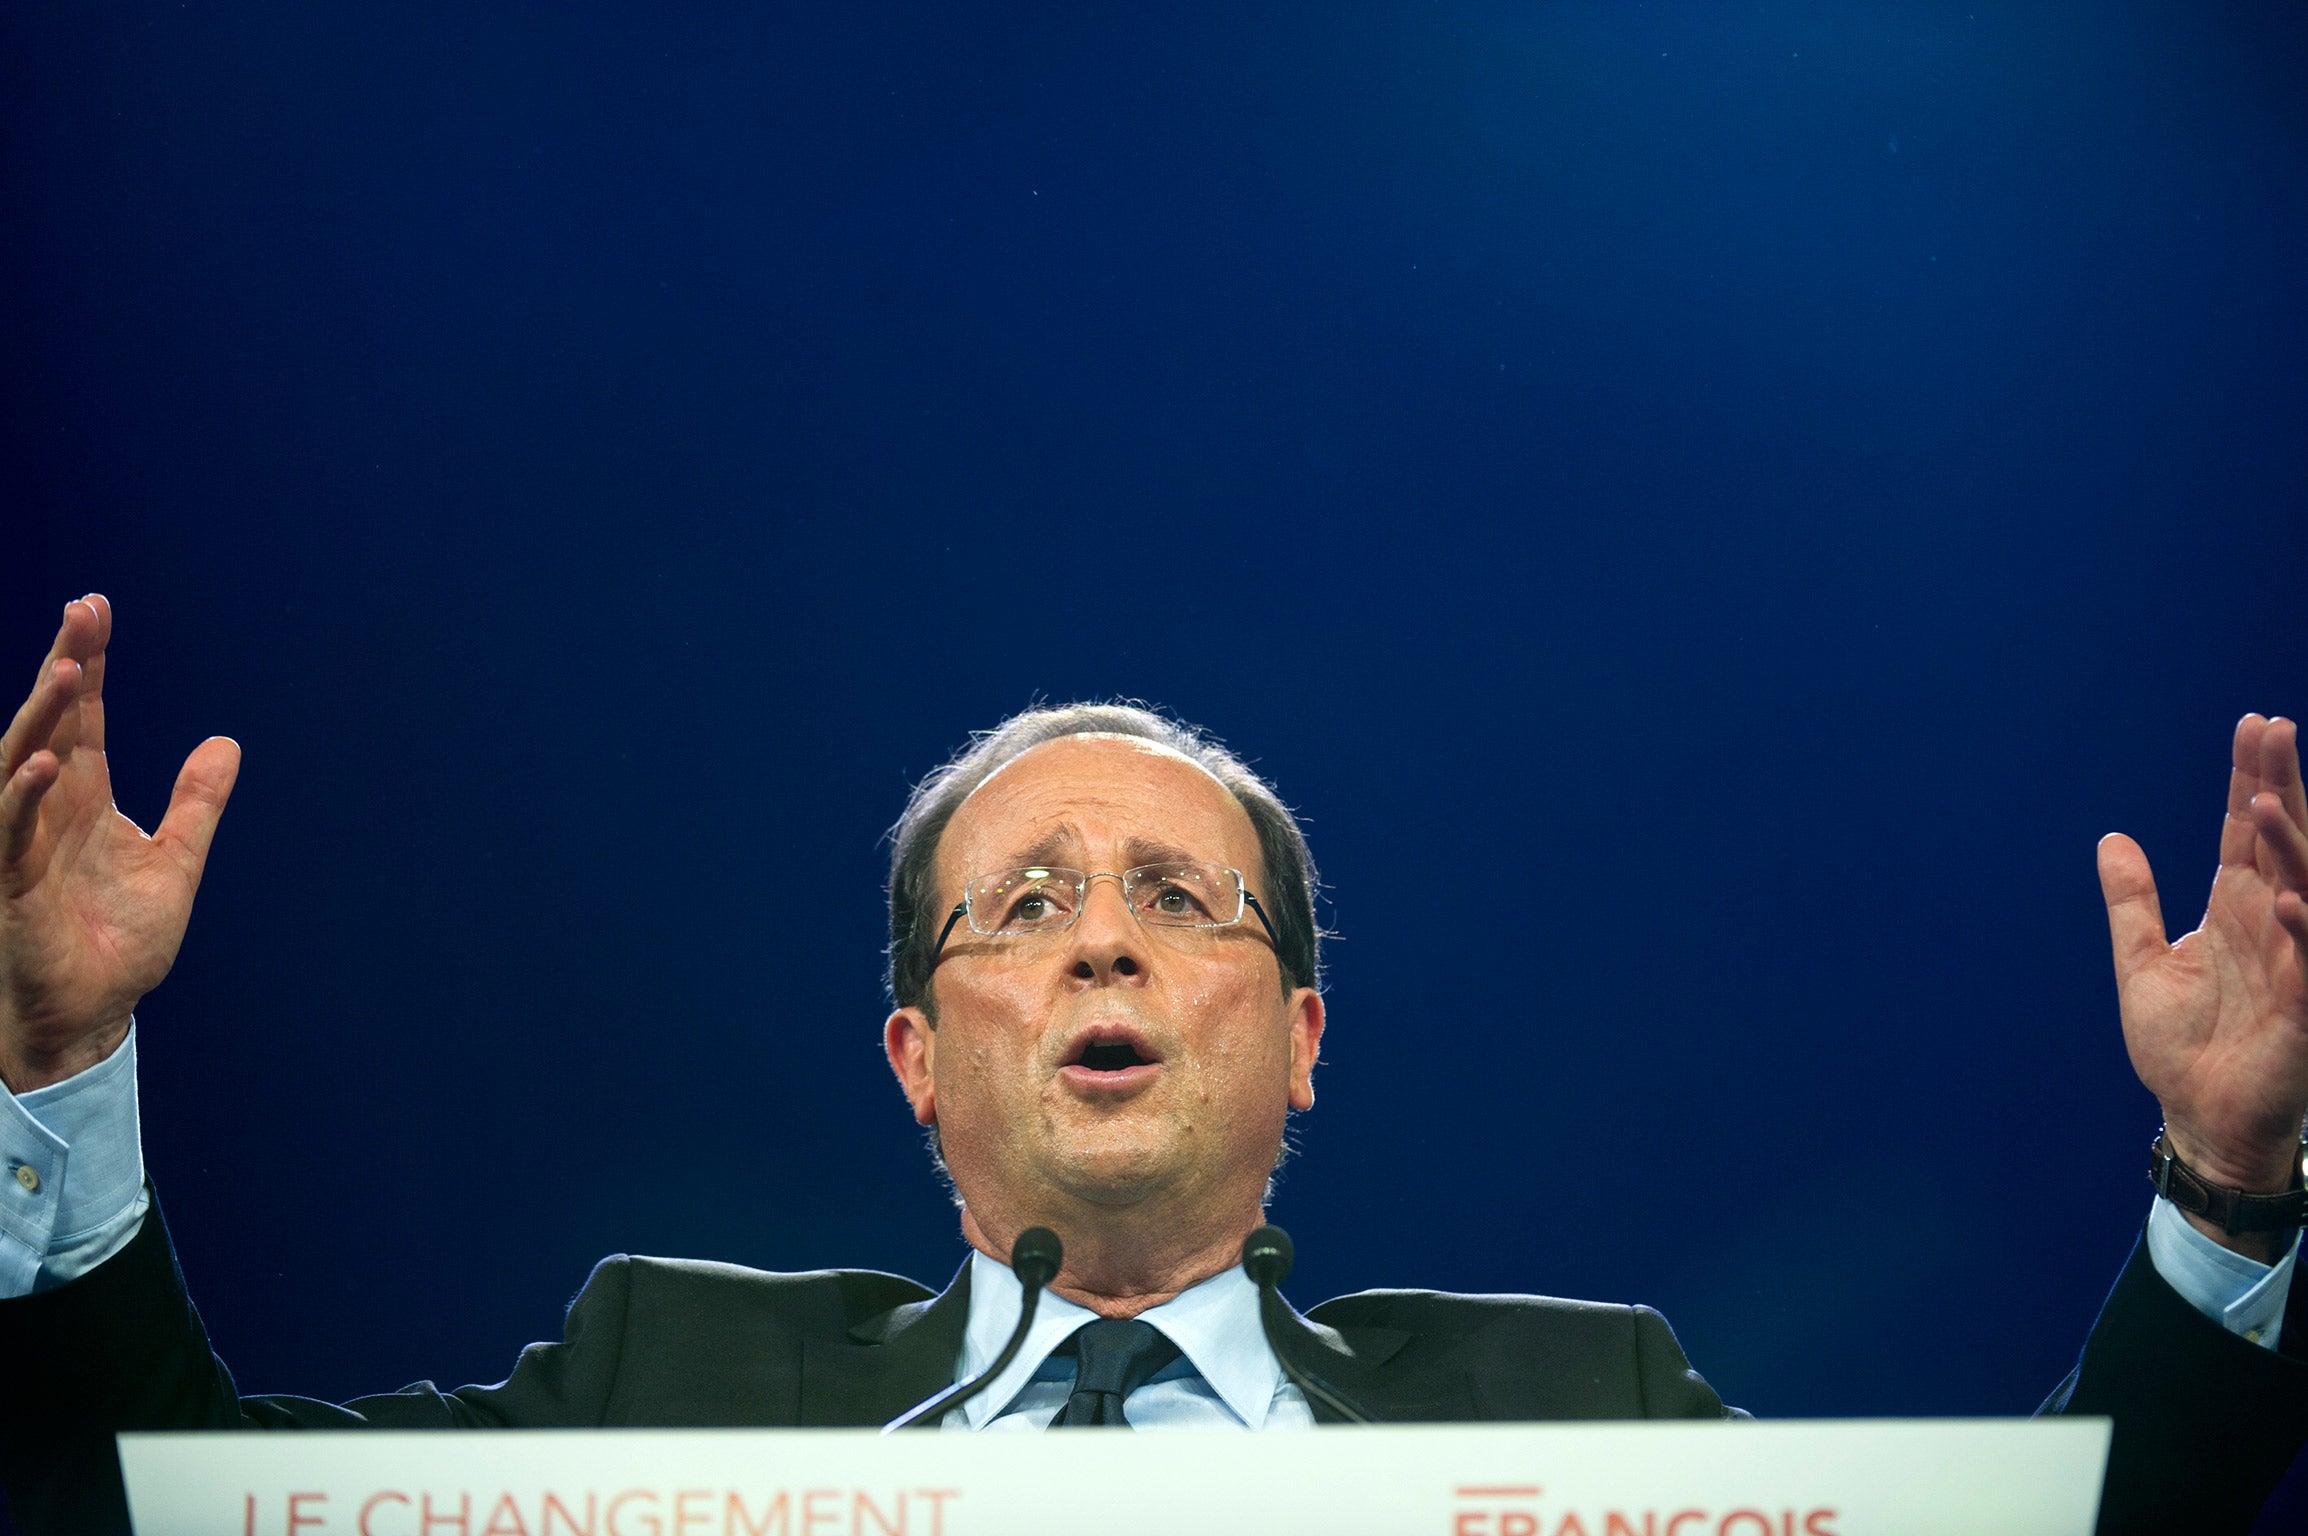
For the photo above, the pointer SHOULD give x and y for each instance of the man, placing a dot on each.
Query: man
(1104, 960)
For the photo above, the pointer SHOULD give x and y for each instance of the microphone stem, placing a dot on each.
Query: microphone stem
(1316, 1389)
(934, 1411)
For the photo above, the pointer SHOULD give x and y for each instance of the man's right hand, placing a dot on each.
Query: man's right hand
(91, 909)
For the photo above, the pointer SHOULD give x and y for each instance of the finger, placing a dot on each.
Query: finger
(197, 803)
(75, 642)
(92, 687)
(72, 633)
(79, 633)
(2283, 843)
(2135, 917)
(37, 725)
(2280, 768)
(2292, 914)
(2277, 767)
(2238, 840)
(20, 809)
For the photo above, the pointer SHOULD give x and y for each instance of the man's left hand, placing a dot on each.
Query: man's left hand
(2217, 1024)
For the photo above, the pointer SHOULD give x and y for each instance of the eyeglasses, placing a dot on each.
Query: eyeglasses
(1044, 900)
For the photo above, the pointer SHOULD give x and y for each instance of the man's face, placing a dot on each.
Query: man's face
(1195, 1051)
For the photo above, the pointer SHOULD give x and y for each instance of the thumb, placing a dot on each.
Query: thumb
(197, 803)
(2135, 918)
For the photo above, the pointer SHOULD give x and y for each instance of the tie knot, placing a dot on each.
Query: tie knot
(1113, 1357)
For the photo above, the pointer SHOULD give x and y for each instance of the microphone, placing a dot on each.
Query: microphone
(1034, 1259)
(1266, 1257)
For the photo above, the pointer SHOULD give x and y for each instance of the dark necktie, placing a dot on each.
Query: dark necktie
(1114, 1357)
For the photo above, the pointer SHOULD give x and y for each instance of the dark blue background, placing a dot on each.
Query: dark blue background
(1709, 510)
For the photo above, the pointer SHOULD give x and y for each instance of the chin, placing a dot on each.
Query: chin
(1117, 1170)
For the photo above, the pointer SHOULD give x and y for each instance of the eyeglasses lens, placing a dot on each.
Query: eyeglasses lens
(1163, 895)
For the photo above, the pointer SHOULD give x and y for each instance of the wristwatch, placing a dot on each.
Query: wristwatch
(2233, 1209)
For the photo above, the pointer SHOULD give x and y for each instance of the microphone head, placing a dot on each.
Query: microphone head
(1036, 1256)
(1267, 1256)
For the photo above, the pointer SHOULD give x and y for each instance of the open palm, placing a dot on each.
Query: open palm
(91, 909)
(2217, 1024)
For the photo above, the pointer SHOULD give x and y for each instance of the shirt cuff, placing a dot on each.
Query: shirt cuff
(71, 1174)
(2242, 1295)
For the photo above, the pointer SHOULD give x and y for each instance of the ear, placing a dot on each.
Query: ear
(1305, 1012)
(912, 1043)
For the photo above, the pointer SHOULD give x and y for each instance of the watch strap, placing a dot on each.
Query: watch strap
(2232, 1210)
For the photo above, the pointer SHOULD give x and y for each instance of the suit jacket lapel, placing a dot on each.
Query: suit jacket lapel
(1355, 1362)
(1360, 1364)
(887, 1363)
(899, 1358)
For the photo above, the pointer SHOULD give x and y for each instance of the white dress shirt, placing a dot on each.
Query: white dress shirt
(72, 1195)
(1225, 1376)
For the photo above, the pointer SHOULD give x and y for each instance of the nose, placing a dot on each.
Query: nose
(1109, 943)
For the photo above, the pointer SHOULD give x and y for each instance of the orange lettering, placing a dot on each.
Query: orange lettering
(1518, 1522)
(1812, 1527)
(1762, 1522)
(554, 1506)
(374, 1500)
(297, 1515)
(651, 1524)
(682, 1518)
(811, 1517)
(505, 1510)
(1469, 1523)
(1616, 1524)
(774, 1514)
(1571, 1526)
(1675, 1520)
(865, 1506)
(937, 1498)
(462, 1520)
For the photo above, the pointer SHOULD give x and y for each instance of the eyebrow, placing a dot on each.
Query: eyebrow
(1138, 850)
(1053, 847)
(1047, 850)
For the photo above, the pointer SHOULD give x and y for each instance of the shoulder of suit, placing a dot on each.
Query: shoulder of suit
(849, 1295)
(1445, 1313)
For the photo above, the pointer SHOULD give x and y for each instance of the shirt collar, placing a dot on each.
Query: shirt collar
(1214, 1324)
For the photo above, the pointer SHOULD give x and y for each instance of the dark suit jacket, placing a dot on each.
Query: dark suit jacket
(2205, 1423)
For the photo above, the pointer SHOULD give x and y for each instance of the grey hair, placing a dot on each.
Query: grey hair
(915, 912)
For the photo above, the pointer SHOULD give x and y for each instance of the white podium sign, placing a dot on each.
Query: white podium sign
(2036, 1477)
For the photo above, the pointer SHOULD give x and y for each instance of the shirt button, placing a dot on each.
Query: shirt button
(27, 1176)
(2253, 1334)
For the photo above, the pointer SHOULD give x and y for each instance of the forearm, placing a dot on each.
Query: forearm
(119, 1348)
(2205, 1422)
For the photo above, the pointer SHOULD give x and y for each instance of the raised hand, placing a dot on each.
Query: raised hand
(91, 910)
(2217, 1024)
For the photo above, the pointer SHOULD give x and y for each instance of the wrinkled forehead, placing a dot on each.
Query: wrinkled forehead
(1106, 800)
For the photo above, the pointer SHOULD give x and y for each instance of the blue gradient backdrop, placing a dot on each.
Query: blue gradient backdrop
(1710, 511)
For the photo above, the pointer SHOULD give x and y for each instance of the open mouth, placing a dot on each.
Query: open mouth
(1111, 1054)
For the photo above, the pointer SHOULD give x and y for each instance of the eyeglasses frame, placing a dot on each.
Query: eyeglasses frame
(962, 907)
